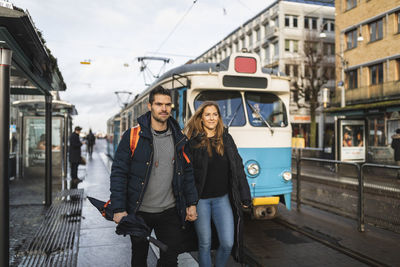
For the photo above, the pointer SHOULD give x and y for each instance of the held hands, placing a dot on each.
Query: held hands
(118, 216)
(191, 213)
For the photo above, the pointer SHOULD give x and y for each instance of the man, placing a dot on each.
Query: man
(396, 147)
(91, 140)
(157, 182)
(75, 152)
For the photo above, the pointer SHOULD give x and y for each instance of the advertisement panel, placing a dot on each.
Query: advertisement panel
(352, 136)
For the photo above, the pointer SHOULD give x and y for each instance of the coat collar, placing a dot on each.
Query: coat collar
(145, 121)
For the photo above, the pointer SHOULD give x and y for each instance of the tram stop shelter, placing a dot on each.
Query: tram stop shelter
(26, 68)
(31, 141)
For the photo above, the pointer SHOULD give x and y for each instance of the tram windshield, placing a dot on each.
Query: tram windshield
(230, 105)
(265, 106)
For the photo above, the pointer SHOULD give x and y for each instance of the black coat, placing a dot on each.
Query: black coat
(130, 176)
(74, 148)
(91, 139)
(396, 146)
(239, 191)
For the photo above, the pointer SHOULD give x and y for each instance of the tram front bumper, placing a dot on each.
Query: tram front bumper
(262, 201)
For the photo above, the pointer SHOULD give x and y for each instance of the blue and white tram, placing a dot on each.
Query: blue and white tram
(254, 104)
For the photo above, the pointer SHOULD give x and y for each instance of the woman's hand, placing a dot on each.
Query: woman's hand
(191, 213)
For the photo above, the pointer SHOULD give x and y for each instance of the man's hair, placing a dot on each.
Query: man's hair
(159, 90)
(398, 131)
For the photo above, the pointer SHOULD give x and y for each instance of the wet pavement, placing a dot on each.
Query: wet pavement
(100, 246)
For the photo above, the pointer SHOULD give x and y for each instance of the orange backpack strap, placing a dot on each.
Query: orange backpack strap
(134, 139)
(184, 155)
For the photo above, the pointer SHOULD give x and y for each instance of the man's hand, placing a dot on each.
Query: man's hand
(191, 213)
(118, 216)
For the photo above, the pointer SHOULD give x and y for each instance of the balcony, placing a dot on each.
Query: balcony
(372, 93)
(271, 32)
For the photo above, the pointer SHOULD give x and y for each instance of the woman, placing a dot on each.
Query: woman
(221, 184)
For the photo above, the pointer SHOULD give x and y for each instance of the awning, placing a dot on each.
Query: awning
(367, 108)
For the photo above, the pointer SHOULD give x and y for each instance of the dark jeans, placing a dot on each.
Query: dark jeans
(74, 169)
(90, 149)
(168, 230)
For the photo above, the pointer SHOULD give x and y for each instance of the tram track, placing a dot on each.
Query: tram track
(333, 244)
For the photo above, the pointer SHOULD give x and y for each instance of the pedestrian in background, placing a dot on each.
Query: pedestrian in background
(221, 184)
(91, 140)
(396, 147)
(156, 182)
(75, 152)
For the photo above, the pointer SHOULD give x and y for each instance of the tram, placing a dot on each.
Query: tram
(254, 104)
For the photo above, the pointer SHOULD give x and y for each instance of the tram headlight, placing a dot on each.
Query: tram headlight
(287, 176)
(253, 168)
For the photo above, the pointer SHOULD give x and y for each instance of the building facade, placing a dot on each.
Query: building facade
(368, 71)
(279, 34)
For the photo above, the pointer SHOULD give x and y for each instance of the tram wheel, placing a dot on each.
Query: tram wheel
(263, 212)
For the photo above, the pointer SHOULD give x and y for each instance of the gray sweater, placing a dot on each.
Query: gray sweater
(159, 195)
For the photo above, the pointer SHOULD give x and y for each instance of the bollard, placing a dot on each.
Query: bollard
(360, 173)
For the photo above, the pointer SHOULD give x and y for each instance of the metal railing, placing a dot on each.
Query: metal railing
(360, 171)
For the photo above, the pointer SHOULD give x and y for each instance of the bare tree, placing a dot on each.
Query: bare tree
(317, 72)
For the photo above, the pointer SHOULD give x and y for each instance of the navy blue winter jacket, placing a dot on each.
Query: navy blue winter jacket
(130, 176)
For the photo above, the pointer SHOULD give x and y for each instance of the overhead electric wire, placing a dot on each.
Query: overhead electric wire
(176, 26)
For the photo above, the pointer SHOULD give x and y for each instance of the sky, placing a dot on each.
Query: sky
(113, 34)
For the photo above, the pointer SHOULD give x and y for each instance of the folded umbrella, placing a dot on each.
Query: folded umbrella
(129, 225)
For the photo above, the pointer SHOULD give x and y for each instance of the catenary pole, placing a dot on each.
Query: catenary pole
(48, 164)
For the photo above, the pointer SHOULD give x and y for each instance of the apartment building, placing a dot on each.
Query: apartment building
(279, 34)
(368, 70)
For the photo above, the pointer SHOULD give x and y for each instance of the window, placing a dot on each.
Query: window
(375, 30)
(329, 25)
(291, 21)
(287, 21)
(230, 104)
(287, 69)
(258, 34)
(287, 45)
(329, 49)
(310, 47)
(243, 43)
(352, 79)
(265, 107)
(398, 68)
(398, 21)
(310, 23)
(351, 4)
(295, 70)
(267, 54)
(291, 46)
(292, 70)
(329, 73)
(351, 37)
(376, 74)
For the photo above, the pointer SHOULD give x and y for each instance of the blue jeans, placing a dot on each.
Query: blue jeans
(220, 212)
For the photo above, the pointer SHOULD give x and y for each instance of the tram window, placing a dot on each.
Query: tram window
(269, 106)
(230, 104)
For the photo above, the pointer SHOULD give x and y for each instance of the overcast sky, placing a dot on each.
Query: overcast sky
(112, 34)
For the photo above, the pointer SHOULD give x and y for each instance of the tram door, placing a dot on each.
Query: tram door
(179, 99)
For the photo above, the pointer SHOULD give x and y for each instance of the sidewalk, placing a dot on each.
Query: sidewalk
(99, 245)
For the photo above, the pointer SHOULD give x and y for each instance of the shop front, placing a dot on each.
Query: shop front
(364, 132)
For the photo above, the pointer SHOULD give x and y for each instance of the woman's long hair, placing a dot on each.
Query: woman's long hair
(195, 129)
